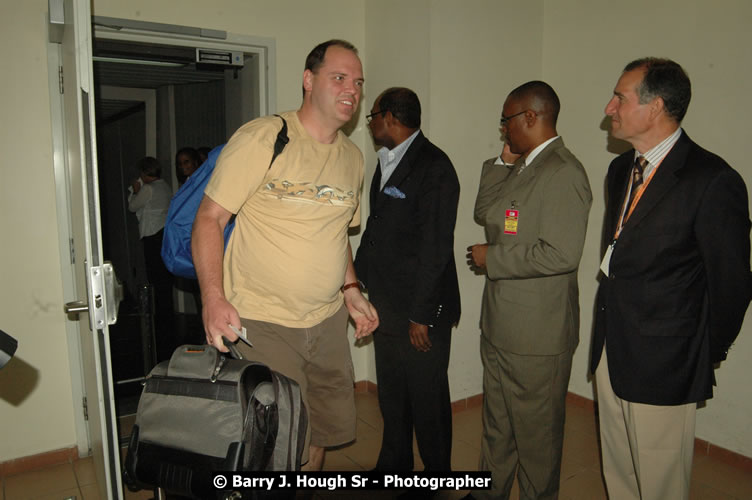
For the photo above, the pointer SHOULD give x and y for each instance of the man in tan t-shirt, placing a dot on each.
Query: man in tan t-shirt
(288, 264)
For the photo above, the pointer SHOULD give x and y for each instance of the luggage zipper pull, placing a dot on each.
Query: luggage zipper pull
(218, 368)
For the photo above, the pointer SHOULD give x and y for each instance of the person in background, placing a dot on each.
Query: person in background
(406, 262)
(535, 215)
(149, 198)
(187, 160)
(674, 288)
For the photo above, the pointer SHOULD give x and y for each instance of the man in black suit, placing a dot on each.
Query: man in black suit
(675, 284)
(406, 261)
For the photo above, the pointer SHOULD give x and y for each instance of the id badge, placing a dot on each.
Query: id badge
(242, 334)
(606, 262)
(510, 221)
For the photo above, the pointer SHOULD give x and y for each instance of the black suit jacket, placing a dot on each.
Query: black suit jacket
(679, 282)
(406, 254)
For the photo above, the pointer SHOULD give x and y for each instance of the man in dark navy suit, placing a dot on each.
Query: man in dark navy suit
(406, 262)
(675, 284)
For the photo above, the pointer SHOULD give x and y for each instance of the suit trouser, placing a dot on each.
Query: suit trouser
(647, 449)
(413, 390)
(524, 402)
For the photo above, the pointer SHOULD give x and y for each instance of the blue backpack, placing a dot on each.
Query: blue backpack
(176, 244)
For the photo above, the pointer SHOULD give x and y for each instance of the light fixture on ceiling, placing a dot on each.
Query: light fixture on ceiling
(143, 62)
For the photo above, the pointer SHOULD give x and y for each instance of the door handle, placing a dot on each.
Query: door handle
(75, 307)
(106, 287)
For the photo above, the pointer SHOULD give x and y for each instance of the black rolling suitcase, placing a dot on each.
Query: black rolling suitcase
(202, 412)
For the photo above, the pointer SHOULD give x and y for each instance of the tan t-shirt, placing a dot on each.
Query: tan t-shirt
(286, 259)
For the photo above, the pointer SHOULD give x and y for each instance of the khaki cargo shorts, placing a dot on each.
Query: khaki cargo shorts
(319, 360)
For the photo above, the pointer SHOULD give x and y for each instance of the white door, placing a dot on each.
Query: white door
(98, 307)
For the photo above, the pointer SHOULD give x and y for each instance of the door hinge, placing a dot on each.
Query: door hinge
(60, 79)
(72, 251)
(86, 409)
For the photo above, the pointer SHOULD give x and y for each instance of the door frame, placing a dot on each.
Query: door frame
(128, 30)
(168, 34)
(65, 242)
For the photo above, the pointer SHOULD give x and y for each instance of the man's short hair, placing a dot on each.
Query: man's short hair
(542, 98)
(150, 167)
(316, 57)
(665, 79)
(403, 104)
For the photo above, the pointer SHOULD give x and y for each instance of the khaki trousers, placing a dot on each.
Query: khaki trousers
(647, 449)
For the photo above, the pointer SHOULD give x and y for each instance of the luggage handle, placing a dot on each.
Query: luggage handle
(232, 348)
(200, 361)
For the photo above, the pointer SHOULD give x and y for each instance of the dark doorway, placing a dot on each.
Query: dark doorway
(152, 99)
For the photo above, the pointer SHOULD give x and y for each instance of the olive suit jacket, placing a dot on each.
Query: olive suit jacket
(531, 299)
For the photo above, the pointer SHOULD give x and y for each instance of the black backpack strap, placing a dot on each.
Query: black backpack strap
(281, 141)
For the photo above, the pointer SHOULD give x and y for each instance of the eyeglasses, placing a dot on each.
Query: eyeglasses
(370, 117)
(505, 119)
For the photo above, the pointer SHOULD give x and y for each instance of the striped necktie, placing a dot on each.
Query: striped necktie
(639, 167)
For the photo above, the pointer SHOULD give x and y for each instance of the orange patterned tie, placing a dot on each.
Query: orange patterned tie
(639, 167)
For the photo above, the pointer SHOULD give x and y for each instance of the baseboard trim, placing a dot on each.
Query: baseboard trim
(66, 455)
(39, 461)
(703, 447)
(365, 386)
(723, 455)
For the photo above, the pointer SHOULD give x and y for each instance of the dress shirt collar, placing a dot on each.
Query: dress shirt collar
(389, 159)
(535, 152)
(499, 161)
(658, 152)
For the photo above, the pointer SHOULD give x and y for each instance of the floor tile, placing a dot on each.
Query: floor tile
(337, 460)
(703, 492)
(125, 426)
(581, 448)
(91, 492)
(580, 419)
(41, 482)
(464, 456)
(130, 495)
(368, 430)
(585, 485)
(61, 495)
(721, 477)
(367, 407)
(364, 451)
(580, 473)
(467, 426)
(84, 470)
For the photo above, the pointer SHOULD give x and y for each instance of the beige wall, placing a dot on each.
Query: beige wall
(462, 58)
(451, 54)
(35, 385)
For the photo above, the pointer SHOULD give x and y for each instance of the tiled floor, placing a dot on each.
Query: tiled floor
(580, 476)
